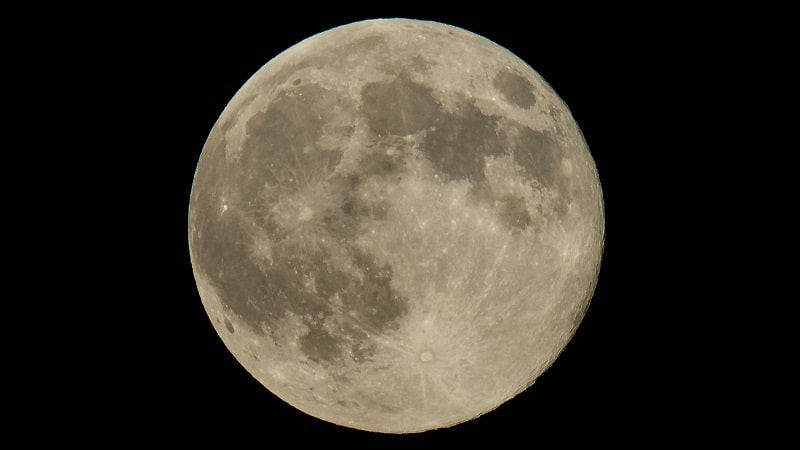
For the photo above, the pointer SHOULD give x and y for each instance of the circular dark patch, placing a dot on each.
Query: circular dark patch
(515, 89)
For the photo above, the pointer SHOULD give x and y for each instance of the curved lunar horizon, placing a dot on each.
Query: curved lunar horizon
(396, 225)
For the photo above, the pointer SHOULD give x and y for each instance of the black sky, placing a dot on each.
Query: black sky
(637, 84)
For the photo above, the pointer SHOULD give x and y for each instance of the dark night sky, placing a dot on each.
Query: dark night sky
(637, 89)
(608, 379)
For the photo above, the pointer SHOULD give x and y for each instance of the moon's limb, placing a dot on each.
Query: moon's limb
(396, 226)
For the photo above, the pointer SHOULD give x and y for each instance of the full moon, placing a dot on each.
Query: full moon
(396, 226)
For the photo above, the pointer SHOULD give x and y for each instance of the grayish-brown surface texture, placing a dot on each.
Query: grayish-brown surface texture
(396, 226)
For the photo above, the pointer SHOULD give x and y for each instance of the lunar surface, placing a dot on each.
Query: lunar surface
(396, 226)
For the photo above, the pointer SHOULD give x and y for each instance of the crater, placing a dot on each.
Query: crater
(515, 89)
(229, 325)
(426, 356)
(348, 403)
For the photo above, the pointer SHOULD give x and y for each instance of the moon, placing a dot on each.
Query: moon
(396, 226)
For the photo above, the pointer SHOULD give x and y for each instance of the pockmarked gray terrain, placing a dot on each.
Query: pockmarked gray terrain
(396, 225)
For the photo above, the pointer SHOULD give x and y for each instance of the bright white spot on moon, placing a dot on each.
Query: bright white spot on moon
(426, 356)
(566, 166)
(305, 214)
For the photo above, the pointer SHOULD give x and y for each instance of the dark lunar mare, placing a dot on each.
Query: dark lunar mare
(280, 151)
(515, 89)
(457, 143)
